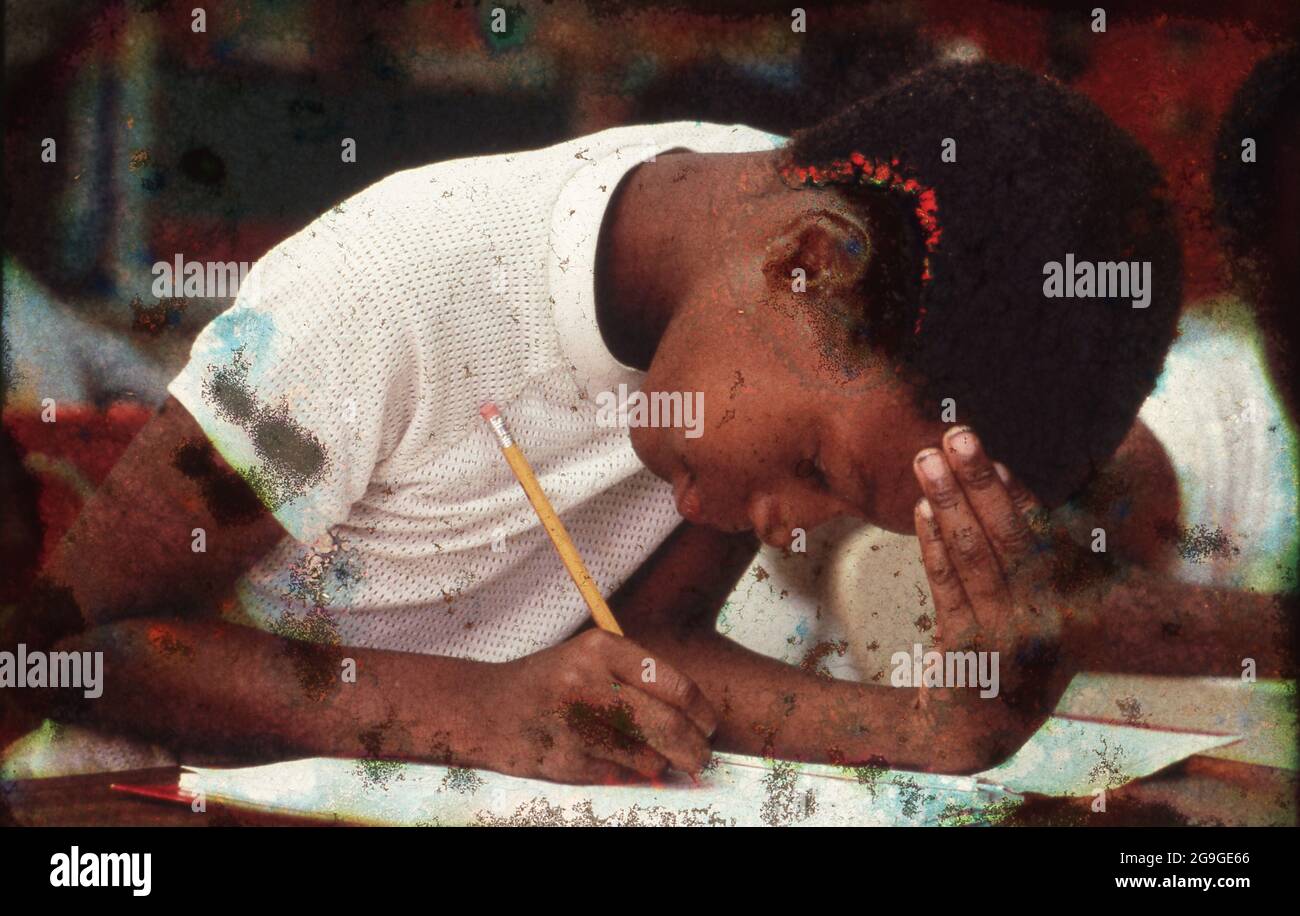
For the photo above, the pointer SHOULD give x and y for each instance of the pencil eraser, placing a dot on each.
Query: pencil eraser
(488, 411)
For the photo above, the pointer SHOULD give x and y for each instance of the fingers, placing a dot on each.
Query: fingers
(655, 707)
(1025, 502)
(596, 771)
(954, 617)
(665, 683)
(634, 730)
(968, 548)
(634, 763)
(994, 507)
(667, 733)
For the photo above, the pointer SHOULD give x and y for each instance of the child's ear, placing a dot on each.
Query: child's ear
(820, 253)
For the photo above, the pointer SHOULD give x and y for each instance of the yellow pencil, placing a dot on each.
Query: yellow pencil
(551, 522)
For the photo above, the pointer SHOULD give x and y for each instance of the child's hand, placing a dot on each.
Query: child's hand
(987, 572)
(591, 710)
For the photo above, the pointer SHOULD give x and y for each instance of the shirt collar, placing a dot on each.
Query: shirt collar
(575, 231)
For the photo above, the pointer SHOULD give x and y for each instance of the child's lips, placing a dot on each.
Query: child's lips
(687, 497)
(762, 515)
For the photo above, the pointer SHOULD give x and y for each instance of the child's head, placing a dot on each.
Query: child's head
(895, 268)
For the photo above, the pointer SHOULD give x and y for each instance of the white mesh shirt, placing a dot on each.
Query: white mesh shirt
(345, 383)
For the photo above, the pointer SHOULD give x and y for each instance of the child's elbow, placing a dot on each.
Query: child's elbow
(989, 738)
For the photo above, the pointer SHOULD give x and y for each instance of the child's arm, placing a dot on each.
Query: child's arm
(130, 553)
(1120, 618)
(213, 687)
(1147, 624)
(208, 686)
(132, 548)
(126, 582)
(767, 707)
(1133, 497)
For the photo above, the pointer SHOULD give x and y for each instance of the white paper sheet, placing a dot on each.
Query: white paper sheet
(736, 791)
(1066, 757)
(1077, 757)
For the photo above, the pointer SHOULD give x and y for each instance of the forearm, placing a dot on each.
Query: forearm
(767, 707)
(772, 709)
(1149, 624)
(221, 688)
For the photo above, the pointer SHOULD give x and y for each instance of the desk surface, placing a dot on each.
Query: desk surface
(1198, 791)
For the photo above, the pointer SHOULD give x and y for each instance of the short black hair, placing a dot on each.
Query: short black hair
(1052, 385)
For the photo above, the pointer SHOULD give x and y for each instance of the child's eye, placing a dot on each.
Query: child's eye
(811, 468)
(820, 474)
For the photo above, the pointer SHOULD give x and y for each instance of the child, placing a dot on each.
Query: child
(835, 302)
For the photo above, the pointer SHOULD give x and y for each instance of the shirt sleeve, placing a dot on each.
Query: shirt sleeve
(307, 383)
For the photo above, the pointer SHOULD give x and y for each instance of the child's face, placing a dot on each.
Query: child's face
(788, 439)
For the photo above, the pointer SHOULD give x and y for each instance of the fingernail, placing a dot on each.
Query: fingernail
(1003, 474)
(932, 464)
(923, 506)
(963, 443)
